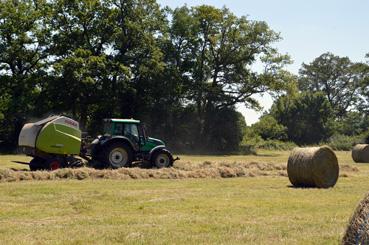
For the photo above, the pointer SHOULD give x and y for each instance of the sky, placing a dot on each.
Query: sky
(308, 28)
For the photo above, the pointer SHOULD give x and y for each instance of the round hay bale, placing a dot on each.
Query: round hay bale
(360, 153)
(313, 167)
(357, 231)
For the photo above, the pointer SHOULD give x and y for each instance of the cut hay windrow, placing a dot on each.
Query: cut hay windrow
(360, 153)
(313, 167)
(357, 231)
(181, 170)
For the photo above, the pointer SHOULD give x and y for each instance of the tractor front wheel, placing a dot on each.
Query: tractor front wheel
(162, 159)
(118, 155)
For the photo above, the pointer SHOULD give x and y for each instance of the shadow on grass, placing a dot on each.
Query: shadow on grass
(303, 187)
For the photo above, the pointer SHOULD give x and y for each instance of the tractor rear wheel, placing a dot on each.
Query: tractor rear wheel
(162, 159)
(118, 155)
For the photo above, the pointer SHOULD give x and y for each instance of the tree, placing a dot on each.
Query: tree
(85, 24)
(139, 25)
(354, 123)
(84, 76)
(268, 128)
(24, 45)
(307, 117)
(225, 133)
(84, 81)
(214, 51)
(363, 105)
(337, 77)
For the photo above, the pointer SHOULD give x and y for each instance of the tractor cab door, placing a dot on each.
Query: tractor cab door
(142, 134)
(131, 132)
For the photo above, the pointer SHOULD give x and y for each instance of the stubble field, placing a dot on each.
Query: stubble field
(245, 199)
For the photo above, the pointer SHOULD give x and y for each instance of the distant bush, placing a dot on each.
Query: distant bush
(247, 150)
(276, 145)
(269, 129)
(257, 142)
(344, 142)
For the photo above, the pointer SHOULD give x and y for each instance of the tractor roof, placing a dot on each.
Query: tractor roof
(122, 120)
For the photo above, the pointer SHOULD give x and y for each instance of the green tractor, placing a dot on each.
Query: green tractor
(55, 141)
(125, 141)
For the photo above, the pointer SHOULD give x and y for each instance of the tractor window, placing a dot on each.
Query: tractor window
(131, 131)
(118, 129)
(107, 128)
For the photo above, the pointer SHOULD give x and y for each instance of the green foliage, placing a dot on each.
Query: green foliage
(276, 145)
(218, 49)
(212, 51)
(224, 131)
(24, 43)
(344, 142)
(182, 71)
(307, 117)
(268, 128)
(252, 140)
(337, 77)
(354, 123)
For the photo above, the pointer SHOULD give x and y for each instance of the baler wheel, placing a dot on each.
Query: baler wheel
(37, 163)
(54, 164)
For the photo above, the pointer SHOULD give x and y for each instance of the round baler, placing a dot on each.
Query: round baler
(51, 142)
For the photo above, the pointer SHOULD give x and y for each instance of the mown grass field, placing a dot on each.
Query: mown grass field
(252, 210)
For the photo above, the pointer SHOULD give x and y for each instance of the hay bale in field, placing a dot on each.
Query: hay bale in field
(313, 167)
(357, 231)
(360, 153)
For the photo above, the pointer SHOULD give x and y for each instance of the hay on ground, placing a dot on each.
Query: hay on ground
(360, 153)
(313, 167)
(181, 170)
(357, 231)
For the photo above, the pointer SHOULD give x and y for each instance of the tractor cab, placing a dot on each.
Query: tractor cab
(134, 130)
(129, 128)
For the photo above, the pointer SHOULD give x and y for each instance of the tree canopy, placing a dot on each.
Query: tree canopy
(94, 59)
(182, 71)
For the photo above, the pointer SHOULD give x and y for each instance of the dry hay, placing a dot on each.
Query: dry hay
(357, 231)
(313, 167)
(360, 153)
(181, 170)
(9, 175)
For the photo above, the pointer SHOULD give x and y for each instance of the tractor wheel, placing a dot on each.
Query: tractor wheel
(162, 159)
(118, 155)
(37, 163)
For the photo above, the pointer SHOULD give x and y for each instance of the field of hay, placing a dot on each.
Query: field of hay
(203, 199)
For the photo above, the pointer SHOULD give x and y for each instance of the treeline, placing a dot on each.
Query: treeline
(182, 71)
(326, 103)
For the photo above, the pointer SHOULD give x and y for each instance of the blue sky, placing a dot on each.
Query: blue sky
(308, 29)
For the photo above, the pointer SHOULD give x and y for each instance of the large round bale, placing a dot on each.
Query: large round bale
(360, 153)
(357, 231)
(313, 167)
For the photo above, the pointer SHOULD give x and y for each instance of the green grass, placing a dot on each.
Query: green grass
(260, 210)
